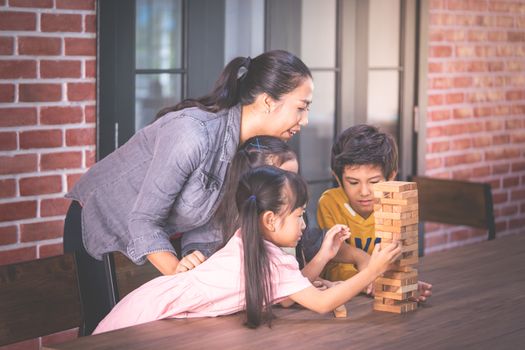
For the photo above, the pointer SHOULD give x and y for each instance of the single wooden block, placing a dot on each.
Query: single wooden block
(340, 311)
(408, 201)
(400, 289)
(409, 248)
(405, 195)
(410, 273)
(397, 229)
(404, 222)
(398, 208)
(395, 296)
(396, 216)
(399, 308)
(387, 208)
(395, 186)
(396, 281)
(406, 261)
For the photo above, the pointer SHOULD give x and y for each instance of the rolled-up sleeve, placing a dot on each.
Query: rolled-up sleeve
(180, 147)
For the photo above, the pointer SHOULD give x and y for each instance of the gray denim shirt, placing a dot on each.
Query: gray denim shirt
(167, 178)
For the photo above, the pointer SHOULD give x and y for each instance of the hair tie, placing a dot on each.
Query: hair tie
(252, 197)
(243, 69)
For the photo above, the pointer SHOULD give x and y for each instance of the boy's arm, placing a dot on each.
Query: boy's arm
(351, 255)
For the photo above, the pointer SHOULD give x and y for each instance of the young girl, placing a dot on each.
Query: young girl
(271, 204)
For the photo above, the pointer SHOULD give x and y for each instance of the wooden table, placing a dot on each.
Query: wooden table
(478, 302)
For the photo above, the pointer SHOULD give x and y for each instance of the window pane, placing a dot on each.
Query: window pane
(383, 33)
(316, 138)
(154, 92)
(383, 100)
(158, 31)
(243, 28)
(318, 33)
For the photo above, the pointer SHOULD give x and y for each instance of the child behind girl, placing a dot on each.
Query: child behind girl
(271, 204)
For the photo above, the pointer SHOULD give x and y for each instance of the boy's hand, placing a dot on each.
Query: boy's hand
(333, 239)
(190, 261)
(424, 291)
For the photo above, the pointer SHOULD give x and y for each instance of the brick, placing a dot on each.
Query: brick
(15, 69)
(81, 47)
(457, 97)
(40, 92)
(90, 113)
(91, 158)
(81, 91)
(31, 3)
(493, 125)
(40, 139)
(7, 46)
(61, 160)
(76, 4)
(507, 211)
(439, 115)
(465, 51)
(7, 188)
(61, 22)
(462, 82)
(7, 141)
(462, 159)
(511, 181)
(441, 146)
(483, 111)
(517, 223)
(17, 164)
(7, 93)
(515, 95)
(61, 115)
(39, 46)
(17, 116)
(60, 69)
(91, 68)
(463, 174)
(481, 171)
(90, 23)
(80, 137)
(40, 185)
(440, 51)
(460, 144)
(54, 206)
(500, 169)
(518, 37)
(72, 179)
(41, 231)
(8, 235)
(497, 154)
(433, 163)
(497, 36)
(15, 256)
(462, 113)
(434, 67)
(440, 83)
(17, 210)
(10, 20)
(500, 139)
(51, 250)
(435, 100)
(441, 19)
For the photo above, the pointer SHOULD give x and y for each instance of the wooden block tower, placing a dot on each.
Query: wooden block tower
(396, 218)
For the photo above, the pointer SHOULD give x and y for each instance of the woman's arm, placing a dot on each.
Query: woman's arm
(327, 300)
(168, 264)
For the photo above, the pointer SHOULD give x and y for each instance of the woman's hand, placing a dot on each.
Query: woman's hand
(333, 240)
(190, 261)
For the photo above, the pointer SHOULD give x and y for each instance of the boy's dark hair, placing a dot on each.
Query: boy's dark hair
(276, 73)
(364, 145)
(254, 152)
(262, 189)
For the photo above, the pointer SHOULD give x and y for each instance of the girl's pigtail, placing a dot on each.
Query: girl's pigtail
(256, 266)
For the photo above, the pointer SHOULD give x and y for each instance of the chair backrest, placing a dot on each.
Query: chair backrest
(38, 297)
(456, 202)
(125, 276)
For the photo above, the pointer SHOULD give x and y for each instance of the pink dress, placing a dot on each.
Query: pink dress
(214, 288)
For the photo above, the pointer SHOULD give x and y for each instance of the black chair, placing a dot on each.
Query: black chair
(455, 202)
(38, 297)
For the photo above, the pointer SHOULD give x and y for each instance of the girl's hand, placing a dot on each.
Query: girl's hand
(190, 261)
(382, 257)
(333, 239)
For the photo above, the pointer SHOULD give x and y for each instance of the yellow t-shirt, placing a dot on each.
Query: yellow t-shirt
(334, 209)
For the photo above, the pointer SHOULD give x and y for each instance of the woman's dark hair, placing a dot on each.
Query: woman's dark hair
(364, 145)
(254, 152)
(262, 189)
(275, 72)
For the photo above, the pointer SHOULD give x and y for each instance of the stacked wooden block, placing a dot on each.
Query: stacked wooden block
(396, 219)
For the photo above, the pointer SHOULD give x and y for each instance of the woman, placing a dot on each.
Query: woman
(169, 176)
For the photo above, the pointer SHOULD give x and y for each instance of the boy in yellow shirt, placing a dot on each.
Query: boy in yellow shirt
(361, 157)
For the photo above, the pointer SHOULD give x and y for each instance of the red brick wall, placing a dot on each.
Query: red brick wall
(476, 107)
(47, 124)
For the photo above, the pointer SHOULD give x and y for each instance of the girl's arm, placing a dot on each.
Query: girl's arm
(327, 300)
(331, 244)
